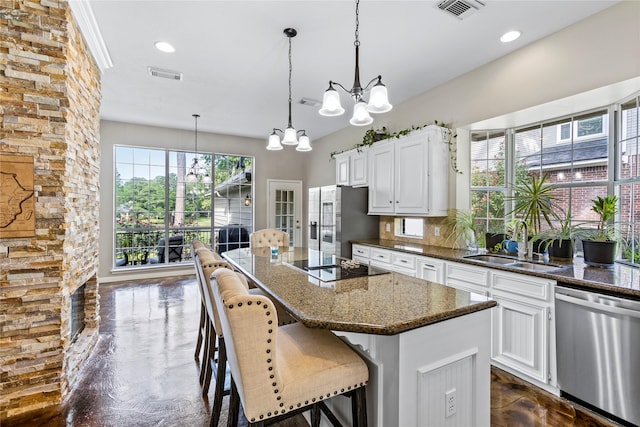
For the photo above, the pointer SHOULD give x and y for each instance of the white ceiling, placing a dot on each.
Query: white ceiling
(233, 55)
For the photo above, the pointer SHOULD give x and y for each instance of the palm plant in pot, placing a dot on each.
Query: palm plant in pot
(599, 245)
(534, 202)
(559, 241)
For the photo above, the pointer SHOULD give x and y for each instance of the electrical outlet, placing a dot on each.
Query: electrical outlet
(436, 231)
(450, 403)
(388, 227)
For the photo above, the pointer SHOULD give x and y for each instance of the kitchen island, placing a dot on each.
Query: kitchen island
(427, 345)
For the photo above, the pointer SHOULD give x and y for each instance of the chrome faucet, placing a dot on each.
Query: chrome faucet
(522, 225)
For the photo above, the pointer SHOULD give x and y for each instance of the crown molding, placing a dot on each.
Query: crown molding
(86, 20)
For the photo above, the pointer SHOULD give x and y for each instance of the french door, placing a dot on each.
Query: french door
(285, 208)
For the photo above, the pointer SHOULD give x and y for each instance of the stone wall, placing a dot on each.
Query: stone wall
(49, 109)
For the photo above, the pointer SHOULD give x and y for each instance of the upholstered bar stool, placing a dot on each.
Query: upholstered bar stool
(213, 333)
(214, 341)
(278, 372)
(269, 237)
(266, 238)
(197, 245)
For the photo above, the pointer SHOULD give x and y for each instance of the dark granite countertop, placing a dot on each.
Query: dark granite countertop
(384, 304)
(620, 280)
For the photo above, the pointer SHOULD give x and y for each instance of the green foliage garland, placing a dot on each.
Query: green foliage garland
(374, 135)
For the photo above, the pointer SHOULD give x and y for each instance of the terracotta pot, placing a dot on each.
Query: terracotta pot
(599, 254)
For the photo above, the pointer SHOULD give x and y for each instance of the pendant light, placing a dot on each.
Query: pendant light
(378, 98)
(197, 171)
(290, 134)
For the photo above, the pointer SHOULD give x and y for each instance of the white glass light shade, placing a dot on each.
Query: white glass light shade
(379, 100)
(290, 137)
(274, 142)
(206, 178)
(305, 144)
(361, 116)
(331, 103)
(191, 177)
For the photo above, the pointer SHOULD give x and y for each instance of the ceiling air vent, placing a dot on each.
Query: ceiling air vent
(460, 8)
(165, 74)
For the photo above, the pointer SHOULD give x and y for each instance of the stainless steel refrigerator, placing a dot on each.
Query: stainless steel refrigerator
(338, 215)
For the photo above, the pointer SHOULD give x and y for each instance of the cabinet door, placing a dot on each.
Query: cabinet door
(521, 336)
(342, 169)
(411, 175)
(438, 175)
(358, 168)
(381, 187)
(430, 269)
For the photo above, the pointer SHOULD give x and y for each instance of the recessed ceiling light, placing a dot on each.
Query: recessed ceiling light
(510, 36)
(164, 47)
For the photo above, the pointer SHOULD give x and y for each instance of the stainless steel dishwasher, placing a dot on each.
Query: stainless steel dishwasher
(598, 350)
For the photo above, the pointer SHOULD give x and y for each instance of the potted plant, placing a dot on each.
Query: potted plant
(599, 245)
(559, 241)
(462, 229)
(534, 202)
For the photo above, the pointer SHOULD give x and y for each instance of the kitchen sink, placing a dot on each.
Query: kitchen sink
(535, 266)
(493, 259)
(514, 262)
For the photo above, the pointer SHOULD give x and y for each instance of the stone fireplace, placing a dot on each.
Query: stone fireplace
(50, 97)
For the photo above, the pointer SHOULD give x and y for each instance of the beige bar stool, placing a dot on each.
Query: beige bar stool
(269, 237)
(278, 372)
(196, 246)
(214, 339)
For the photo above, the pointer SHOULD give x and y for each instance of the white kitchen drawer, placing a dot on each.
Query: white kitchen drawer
(430, 269)
(524, 285)
(467, 277)
(403, 260)
(360, 251)
(380, 255)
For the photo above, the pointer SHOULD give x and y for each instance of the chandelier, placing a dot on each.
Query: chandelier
(378, 98)
(290, 134)
(197, 171)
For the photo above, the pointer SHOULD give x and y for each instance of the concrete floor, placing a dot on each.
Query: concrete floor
(143, 372)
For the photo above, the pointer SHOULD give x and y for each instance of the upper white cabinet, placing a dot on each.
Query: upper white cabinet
(409, 175)
(381, 177)
(352, 167)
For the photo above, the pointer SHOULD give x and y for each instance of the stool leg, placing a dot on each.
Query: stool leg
(221, 368)
(203, 314)
(208, 361)
(234, 406)
(316, 415)
(359, 407)
(205, 353)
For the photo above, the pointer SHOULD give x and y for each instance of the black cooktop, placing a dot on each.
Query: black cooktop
(329, 270)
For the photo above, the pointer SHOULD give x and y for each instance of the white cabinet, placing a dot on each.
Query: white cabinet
(342, 168)
(360, 253)
(352, 167)
(385, 259)
(409, 175)
(467, 277)
(523, 333)
(430, 269)
(381, 170)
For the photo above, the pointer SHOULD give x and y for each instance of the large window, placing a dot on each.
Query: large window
(488, 181)
(583, 156)
(628, 178)
(158, 212)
